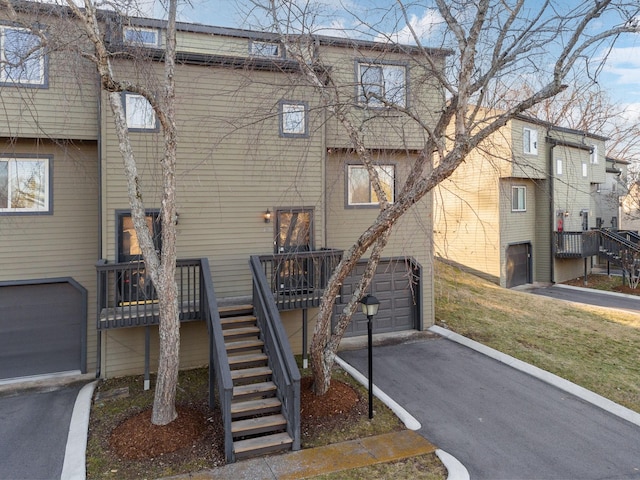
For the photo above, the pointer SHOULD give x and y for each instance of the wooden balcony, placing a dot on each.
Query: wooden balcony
(575, 244)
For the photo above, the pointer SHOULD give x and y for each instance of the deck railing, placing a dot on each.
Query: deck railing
(127, 297)
(286, 374)
(297, 280)
(575, 244)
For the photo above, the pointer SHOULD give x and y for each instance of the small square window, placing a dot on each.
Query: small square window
(21, 57)
(559, 166)
(530, 141)
(380, 84)
(360, 191)
(140, 115)
(293, 119)
(147, 37)
(264, 49)
(518, 199)
(594, 154)
(24, 185)
(585, 170)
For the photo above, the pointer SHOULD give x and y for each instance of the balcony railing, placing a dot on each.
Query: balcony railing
(575, 244)
(297, 280)
(127, 297)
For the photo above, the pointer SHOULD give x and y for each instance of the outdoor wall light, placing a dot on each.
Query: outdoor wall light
(267, 216)
(370, 305)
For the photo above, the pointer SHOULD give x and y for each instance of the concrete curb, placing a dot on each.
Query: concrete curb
(550, 378)
(455, 469)
(74, 466)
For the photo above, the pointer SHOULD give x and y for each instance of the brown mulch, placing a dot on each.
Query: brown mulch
(136, 438)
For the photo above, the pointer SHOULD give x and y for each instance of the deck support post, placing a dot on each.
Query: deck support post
(305, 327)
(585, 271)
(147, 342)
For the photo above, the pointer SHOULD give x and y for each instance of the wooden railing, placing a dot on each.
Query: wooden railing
(127, 297)
(286, 374)
(575, 244)
(297, 280)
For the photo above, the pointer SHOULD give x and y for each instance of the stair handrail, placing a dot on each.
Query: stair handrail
(618, 239)
(219, 371)
(286, 374)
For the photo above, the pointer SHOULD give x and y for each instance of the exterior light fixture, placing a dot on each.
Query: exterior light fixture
(267, 216)
(370, 305)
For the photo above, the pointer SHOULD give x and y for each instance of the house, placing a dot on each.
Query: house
(270, 192)
(521, 207)
(611, 193)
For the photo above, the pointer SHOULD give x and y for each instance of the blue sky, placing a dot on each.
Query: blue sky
(620, 77)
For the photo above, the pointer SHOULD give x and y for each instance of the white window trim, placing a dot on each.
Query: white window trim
(41, 81)
(46, 206)
(156, 34)
(132, 121)
(379, 168)
(533, 141)
(287, 107)
(585, 170)
(559, 166)
(594, 154)
(515, 195)
(373, 102)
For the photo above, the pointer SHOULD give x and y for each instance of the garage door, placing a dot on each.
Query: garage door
(397, 286)
(42, 328)
(518, 264)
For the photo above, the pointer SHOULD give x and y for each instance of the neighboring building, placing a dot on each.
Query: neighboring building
(253, 138)
(501, 211)
(609, 195)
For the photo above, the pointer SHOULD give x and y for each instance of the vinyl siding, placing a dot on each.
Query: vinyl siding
(65, 243)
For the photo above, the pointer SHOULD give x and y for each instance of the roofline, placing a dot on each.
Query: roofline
(617, 160)
(557, 128)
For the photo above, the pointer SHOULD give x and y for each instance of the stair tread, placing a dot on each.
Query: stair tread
(245, 405)
(230, 332)
(229, 310)
(235, 345)
(238, 319)
(265, 441)
(248, 357)
(250, 372)
(268, 421)
(254, 388)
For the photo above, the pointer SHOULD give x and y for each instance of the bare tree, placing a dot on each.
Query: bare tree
(86, 28)
(491, 43)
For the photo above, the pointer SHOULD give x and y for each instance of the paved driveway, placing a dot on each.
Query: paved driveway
(589, 296)
(34, 426)
(499, 422)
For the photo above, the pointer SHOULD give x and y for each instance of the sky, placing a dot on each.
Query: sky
(620, 77)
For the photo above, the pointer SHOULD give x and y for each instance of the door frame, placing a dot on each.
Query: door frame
(276, 232)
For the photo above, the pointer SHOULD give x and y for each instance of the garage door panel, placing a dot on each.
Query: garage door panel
(41, 328)
(391, 286)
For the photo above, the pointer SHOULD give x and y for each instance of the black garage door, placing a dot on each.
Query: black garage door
(397, 286)
(518, 264)
(42, 328)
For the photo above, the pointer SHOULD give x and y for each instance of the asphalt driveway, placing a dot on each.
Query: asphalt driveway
(589, 296)
(498, 421)
(34, 426)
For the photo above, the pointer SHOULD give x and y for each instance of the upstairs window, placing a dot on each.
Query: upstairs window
(140, 115)
(518, 199)
(146, 37)
(360, 192)
(559, 166)
(380, 84)
(594, 154)
(24, 185)
(585, 170)
(22, 59)
(530, 141)
(293, 119)
(264, 49)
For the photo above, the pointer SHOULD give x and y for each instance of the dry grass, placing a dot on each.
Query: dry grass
(591, 346)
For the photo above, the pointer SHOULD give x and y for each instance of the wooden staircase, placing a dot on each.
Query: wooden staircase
(258, 426)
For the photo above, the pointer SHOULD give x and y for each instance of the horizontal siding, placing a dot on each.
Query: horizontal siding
(64, 244)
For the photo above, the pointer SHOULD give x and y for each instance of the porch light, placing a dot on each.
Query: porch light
(267, 216)
(370, 305)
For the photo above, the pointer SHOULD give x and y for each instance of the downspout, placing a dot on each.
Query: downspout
(100, 217)
(551, 209)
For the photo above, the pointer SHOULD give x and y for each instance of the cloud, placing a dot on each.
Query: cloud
(424, 27)
(624, 64)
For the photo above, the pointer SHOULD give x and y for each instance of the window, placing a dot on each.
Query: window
(24, 185)
(558, 167)
(359, 188)
(293, 119)
(21, 57)
(381, 84)
(530, 141)
(140, 115)
(147, 37)
(128, 245)
(594, 154)
(264, 49)
(518, 199)
(585, 170)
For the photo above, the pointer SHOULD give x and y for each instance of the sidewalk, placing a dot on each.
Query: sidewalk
(322, 460)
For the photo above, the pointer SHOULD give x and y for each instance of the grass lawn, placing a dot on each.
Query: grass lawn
(591, 346)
